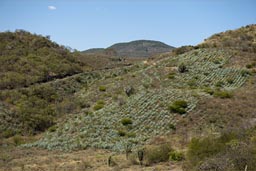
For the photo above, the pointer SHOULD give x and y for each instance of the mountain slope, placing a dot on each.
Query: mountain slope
(156, 87)
(192, 99)
(151, 107)
(243, 39)
(138, 48)
(94, 50)
(26, 59)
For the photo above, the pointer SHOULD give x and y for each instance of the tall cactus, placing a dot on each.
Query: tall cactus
(128, 149)
(141, 156)
(109, 160)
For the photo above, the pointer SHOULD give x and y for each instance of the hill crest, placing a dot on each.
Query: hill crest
(137, 48)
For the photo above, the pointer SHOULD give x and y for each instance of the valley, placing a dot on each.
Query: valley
(189, 108)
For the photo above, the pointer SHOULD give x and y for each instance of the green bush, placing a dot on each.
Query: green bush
(217, 61)
(209, 91)
(172, 126)
(126, 121)
(192, 83)
(101, 102)
(102, 88)
(176, 156)
(219, 84)
(171, 75)
(52, 128)
(7, 133)
(18, 140)
(245, 73)
(121, 133)
(157, 154)
(249, 66)
(182, 68)
(131, 134)
(230, 80)
(181, 103)
(98, 106)
(179, 107)
(223, 94)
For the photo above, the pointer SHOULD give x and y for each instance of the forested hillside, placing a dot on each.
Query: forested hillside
(27, 58)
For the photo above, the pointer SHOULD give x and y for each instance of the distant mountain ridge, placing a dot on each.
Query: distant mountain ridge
(137, 48)
(94, 50)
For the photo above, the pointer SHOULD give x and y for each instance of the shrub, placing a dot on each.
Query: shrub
(18, 140)
(216, 61)
(171, 75)
(129, 91)
(172, 126)
(178, 107)
(230, 80)
(223, 94)
(209, 91)
(157, 154)
(182, 68)
(192, 83)
(99, 105)
(219, 84)
(126, 121)
(102, 88)
(131, 134)
(176, 156)
(245, 73)
(8, 133)
(121, 133)
(181, 103)
(101, 102)
(182, 49)
(249, 66)
(52, 128)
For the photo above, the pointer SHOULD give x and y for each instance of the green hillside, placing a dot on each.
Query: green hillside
(136, 49)
(156, 87)
(192, 108)
(27, 58)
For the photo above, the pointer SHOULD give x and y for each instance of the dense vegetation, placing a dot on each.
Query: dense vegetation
(36, 108)
(232, 151)
(27, 58)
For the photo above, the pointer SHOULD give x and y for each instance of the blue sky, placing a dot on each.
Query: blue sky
(83, 24)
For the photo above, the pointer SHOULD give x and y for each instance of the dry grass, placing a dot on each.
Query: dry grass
(33, 159)
(214, 115)
(241, 59)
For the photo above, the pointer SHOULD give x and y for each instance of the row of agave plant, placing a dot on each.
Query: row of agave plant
(145, 113)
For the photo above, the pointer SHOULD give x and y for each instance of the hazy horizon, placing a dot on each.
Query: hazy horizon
(99, 24)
